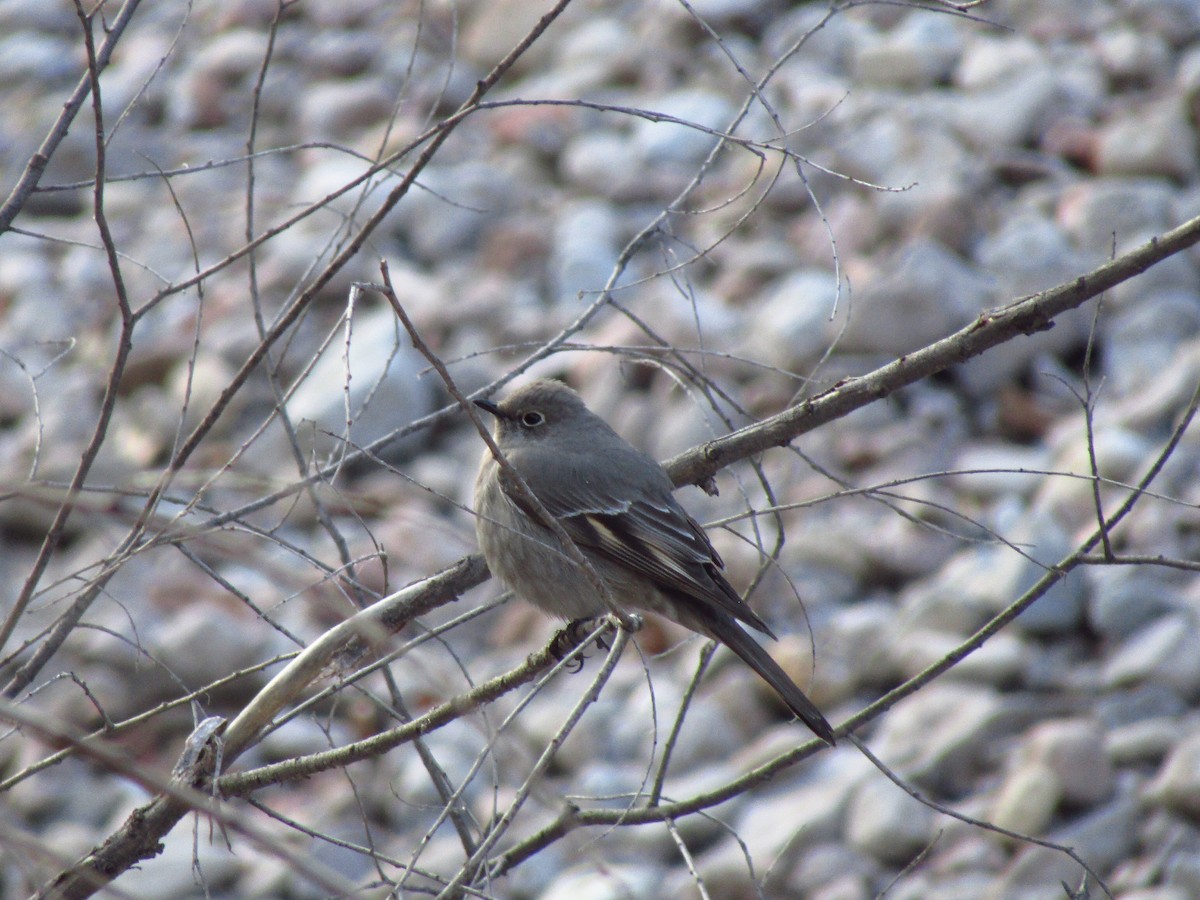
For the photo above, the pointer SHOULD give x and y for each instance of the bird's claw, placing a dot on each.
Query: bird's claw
(570, 636)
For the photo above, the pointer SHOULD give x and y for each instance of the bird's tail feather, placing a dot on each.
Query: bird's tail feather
(729, 633)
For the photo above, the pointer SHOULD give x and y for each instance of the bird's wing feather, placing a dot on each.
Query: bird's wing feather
(652, 536)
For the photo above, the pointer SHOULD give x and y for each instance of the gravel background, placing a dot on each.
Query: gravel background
(958, 163)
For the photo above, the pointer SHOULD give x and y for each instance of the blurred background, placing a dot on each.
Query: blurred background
(696, 214)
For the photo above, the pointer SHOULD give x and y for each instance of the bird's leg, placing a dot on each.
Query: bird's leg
(631, 622)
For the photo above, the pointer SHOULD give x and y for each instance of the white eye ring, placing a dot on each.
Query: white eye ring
(532, 419)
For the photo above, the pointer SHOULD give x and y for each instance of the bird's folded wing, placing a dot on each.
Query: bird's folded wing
(668, 547)
(652, 537)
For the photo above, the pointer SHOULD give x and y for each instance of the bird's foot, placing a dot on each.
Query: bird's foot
(570, 636)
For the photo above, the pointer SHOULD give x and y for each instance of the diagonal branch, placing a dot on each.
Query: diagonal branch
(1024, 316)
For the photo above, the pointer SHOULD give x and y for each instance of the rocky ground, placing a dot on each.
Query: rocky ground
(947, 164)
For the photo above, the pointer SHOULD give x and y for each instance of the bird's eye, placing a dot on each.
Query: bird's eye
(532, 419)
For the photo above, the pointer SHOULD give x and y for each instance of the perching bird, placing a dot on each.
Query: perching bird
(617, 506)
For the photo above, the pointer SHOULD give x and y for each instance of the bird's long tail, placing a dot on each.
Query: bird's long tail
(729, 633)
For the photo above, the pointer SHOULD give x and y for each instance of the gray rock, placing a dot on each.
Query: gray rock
(606, 163)
(614, 882)
(988, 61)
(680, 143)
(1177, 21)
(1137, 704)
(928, 167)
(1027, 800)
(456, 750)
(1009, 114)
(1176, 786)
(536, 874)
(1030, 253)
(200, 644)
(1145, 333)
(721, 11)
(1121, 599)
(788, 327)
(1044, 543)
(339, 110)
(953, 886)
(1036, 873)
(941, 735)
(1121, 455)
(44, 58)
(1100, 212)
(351, 14)
(598, 52)
(844, 887)
(353, 397)
(1107, 835)
(887, 823)
(1146, 741)
(1160, 402)
(587, 239)
(1074, 751)
(1167, 651)
(829, 48)
(924, 292)
(1157, 893)
(831, 864)
(1182, 872)
(993, 469)
(347, 53)
(1001, 661)
(851, 651)
(1133, 58)
(1151, 139)
(182, 862)
(918, 53)
(490, 31)
(1188, 76)
(954, 600)
(212, 89)
(76, 796)
(297, 737)
(16, 16)
(813, 812)
(454, 206)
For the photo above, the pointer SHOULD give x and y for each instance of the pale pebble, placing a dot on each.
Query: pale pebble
(887, 823)
(1167, 651)
(1074, 751)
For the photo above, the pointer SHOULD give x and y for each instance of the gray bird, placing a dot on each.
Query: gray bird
(617, 506)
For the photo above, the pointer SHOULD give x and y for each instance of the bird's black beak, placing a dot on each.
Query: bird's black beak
(491, 407)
